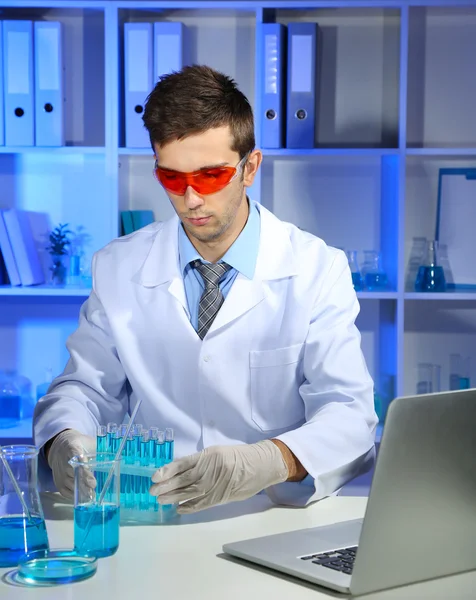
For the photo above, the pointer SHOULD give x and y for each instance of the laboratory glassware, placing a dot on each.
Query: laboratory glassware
(22, 522)
(464, 380)
(424, 378)
(10, 401)
(375, 277)
(431, 277)
(59, 566)
(96, 519)
(455, 371)
(357, 280)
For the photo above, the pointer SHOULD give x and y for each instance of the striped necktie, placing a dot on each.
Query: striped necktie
(211, 298)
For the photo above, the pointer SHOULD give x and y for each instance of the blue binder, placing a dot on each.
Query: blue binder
(2, 118)
(302, 87)
(138, 57)
(168, 48)
(18, 83)
(273, 84)
(49, 130)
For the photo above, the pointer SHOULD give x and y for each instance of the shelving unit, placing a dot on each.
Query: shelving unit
(396, 103)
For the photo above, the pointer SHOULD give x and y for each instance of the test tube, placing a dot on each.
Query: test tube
(160, 450)
(111, 434)
(153, 437)
(144, 461)
(137, 431)
(465, 377)
(101, 446)
(169, 445)
(129, 459)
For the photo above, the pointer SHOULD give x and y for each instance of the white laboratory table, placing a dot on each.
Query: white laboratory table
(184, 560)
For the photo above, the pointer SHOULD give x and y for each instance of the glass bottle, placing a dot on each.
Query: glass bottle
(10, 401)
(20, 531)
(375, 277)
(354, 269)
(24, 386)
(431, 277)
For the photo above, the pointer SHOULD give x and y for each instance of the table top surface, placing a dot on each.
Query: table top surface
(185, 560)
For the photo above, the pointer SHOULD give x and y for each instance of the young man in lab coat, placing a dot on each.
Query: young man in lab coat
(260, 371)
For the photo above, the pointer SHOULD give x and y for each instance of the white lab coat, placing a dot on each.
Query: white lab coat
(282, 358)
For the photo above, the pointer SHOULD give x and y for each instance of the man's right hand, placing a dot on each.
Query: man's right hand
(65, 445)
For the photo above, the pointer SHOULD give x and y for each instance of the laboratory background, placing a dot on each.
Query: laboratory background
(381, 162)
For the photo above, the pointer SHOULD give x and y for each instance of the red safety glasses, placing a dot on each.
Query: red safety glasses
(204, 181)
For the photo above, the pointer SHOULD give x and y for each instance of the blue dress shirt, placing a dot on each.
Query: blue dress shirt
(241, 257)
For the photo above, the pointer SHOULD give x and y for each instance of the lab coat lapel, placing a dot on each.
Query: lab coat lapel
(162, 265)
(275, 261)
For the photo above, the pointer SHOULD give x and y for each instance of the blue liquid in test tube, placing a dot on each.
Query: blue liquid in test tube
(111, 434)
(169, 445)
(101, 446)
(144, 462)
(130, 457)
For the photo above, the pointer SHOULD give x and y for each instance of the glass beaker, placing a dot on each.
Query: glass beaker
(354, 269)
(424, 378)
(375, 277)
(96, 526)
(431, 277)
(20, 532)
(10, 401)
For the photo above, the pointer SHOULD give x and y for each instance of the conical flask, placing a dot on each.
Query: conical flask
(22, 523)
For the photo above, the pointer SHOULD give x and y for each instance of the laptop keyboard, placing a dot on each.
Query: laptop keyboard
(339, 560)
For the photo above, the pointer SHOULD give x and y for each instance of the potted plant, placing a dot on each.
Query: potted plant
(58, 248)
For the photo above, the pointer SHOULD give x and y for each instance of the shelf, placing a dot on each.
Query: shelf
(330, 152)
(52, 150)
(461, 296)
(377, 295)
(23, 431)
(136, 151)
(463, 152)
(42, 290)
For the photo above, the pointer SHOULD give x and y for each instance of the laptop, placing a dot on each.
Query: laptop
(420, 520)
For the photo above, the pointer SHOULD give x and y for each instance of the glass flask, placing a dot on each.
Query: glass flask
(354, 269)
(96, 526)
(417, 256)
(374, 275)
(431, 277)
(10, 401)
(22, 523)
(25, 387)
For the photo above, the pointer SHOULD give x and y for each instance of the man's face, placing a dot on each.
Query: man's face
(213, 217)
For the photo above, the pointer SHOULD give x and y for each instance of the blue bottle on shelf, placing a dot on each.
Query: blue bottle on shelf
(10, 401)
(431, 277)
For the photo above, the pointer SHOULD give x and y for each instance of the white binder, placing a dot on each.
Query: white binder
(168, 48)
(138, 81)
(49, 95)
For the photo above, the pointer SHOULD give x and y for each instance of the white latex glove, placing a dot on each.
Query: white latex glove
(67, 444)
(218, 475)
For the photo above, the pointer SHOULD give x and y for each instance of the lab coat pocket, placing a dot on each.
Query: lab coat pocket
(275, 379)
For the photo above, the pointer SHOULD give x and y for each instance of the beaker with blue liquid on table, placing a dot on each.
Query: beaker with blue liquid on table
(96, 514)
(22, 522)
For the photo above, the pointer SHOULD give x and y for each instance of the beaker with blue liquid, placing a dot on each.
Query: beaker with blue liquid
(431, 276)
(357, 280)
(96, 515)
(373, 272)
(22, 523)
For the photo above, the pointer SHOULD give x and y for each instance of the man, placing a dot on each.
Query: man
(234, 328)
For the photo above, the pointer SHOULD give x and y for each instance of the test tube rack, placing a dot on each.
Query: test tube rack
(144, 452)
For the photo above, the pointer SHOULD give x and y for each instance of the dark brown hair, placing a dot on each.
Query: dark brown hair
(197, 99)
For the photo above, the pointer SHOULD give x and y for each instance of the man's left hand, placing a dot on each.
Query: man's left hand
(218, 475)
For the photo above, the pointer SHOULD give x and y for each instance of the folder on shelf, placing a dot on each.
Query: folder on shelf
(7, 253)
(302, 85)
(18, 83)
(168, 48)
(2, 117)
(138, 64)
(141, 218)
(273, 85)
(24, 247)
(126, 221)
(49, 130)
